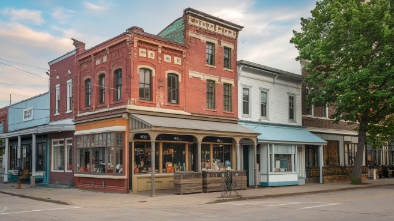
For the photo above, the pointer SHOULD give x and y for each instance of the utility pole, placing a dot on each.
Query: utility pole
(10, 98)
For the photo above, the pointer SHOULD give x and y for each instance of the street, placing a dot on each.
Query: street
(360, 204)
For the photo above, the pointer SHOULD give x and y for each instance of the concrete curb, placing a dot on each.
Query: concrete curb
(241, 198)
(36, 198)
(222, 200)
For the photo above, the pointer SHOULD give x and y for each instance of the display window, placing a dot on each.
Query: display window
(100, 153)
(282, 158)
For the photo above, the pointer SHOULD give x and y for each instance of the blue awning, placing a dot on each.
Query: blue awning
(278, 133)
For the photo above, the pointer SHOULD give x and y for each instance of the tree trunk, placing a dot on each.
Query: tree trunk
(358, 163)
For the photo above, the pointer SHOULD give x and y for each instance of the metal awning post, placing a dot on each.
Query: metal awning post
(153, 158)
(321, 162)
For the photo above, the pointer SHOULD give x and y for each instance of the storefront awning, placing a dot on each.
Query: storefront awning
(276, 133)
(180, 124)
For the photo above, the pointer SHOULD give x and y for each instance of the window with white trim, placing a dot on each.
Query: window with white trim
(325, 111)
(69, 154)
(58, 155)
(263, 104)
(62, 155)
(292, 101)
(245, 101)
(28, 114)
(69, 95)
(57, 96)
(282, 158)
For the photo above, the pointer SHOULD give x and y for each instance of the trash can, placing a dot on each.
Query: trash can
(372, 174)
(375, 173)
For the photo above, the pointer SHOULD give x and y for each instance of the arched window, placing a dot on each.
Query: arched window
(88, 92)
(102, 88)
(145, 84)
(172, 86)
(118, 84)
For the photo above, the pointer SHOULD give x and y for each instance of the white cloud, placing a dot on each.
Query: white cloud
(33, 16)
(94, 7)
(62, 15)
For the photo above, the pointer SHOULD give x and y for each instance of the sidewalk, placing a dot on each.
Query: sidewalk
(79, 197)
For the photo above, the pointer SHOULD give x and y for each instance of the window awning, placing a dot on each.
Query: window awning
(142, 122)
(276, 133)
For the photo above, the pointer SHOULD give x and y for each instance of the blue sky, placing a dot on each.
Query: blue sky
(32, 33)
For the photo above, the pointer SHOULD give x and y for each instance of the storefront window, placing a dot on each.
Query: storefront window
(143, 159)
(350, 153)
(282, 157)
(58, 154)
(101, 156)
(311, 156)
(331, 153)
(174, 157)
(221, 154)
(205, 157)
(41, 159)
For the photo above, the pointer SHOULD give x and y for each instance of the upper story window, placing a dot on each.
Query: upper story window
(325, 111)
(263, 103)
(210, 94)
(57, 96)
(245, 101)
(291, 107)
(210, 53)
(88, 93)
(309, 108)
(102, 88)
(172, 85)
(118, 84)
(145, 84)
(69, 95)
(28, 114)
(227, 97)
(227, 57)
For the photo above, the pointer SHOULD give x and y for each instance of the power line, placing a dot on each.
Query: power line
(21, 71)
(26, 85)
(24, 64)
(15, 94)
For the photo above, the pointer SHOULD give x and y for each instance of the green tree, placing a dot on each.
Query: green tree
(349, 46)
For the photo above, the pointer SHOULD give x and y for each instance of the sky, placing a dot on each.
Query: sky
(32, 33)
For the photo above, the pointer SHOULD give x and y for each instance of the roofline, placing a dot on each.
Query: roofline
(169, 25)
(28, 99)
(100, 44)
(269, 69)
(213, 18)
(68, 54)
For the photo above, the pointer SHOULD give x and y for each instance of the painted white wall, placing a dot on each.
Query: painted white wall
(278, 96)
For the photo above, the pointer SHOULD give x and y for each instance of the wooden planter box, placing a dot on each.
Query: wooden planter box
(187, 182)
(212, 181)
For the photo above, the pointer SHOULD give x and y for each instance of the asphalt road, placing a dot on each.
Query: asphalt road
(361, 204)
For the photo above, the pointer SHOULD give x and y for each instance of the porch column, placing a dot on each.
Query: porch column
(255, 165)
(238, 151)
(33, 164)
(199, 156)
(321, 162)
(20, 154)
(6, 161)
(153, 158)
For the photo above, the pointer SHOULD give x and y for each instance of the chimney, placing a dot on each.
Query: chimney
(79, 45)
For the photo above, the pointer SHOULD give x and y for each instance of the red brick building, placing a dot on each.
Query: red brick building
(341, 138)
(61, 115)
(148, 105)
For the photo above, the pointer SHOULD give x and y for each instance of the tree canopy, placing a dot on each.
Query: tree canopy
(349, 49)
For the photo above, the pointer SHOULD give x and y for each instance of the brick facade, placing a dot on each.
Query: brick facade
(61, 71)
